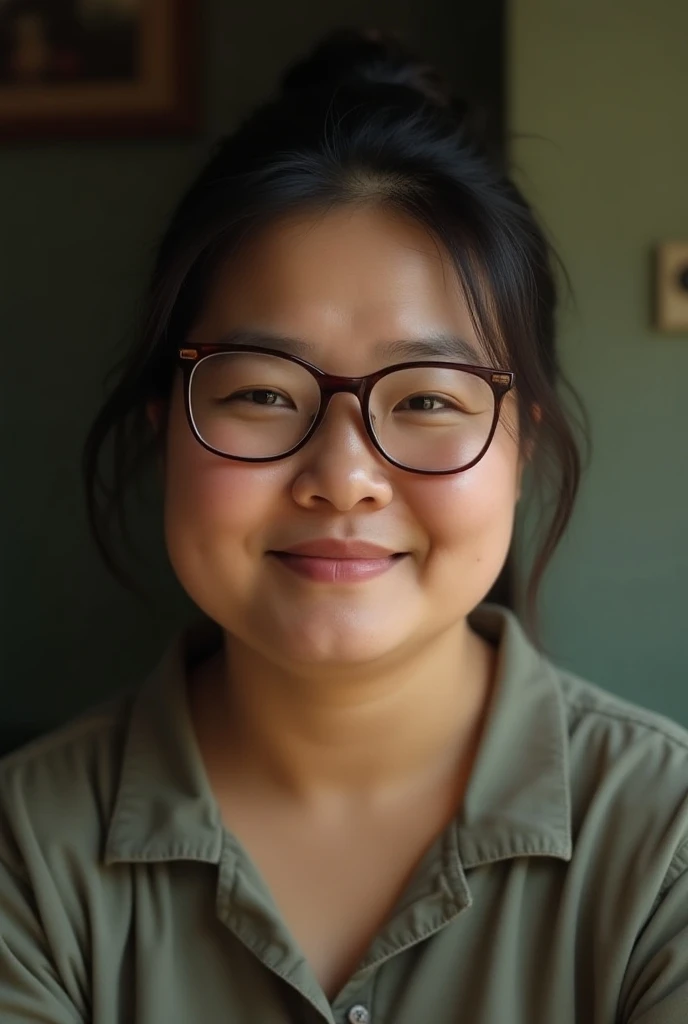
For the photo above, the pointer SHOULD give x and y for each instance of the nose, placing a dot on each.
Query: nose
(340, 466)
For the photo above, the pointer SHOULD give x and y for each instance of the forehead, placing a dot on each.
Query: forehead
(350, 277)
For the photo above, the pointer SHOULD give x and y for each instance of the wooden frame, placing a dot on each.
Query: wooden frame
(157, 97)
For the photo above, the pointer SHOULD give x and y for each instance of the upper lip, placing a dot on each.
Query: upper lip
(332, 548)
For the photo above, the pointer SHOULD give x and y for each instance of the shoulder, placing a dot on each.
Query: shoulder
(644, 736)
(59, 789)
(628, 770)
(629, 869)
(56, 799)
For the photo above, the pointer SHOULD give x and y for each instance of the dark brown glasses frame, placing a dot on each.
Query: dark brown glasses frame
(500, 381)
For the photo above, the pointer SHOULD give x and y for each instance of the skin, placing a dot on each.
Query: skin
(337, 710)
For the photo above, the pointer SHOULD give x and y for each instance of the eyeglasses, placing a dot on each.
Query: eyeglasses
(254, 404)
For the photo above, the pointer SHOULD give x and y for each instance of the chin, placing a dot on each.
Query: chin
(340, 642)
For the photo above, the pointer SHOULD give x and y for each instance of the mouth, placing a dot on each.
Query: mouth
(336, 561)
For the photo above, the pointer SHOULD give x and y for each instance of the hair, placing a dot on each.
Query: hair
(360, 121)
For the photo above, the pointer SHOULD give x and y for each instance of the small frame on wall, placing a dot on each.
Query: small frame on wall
(96, 68)
(671, 287)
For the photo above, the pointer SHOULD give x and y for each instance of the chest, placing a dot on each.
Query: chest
(188, 945)
(335, 888)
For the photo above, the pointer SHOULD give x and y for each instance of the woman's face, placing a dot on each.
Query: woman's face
(344, 282)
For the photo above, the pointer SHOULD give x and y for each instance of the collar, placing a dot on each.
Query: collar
(165, 808)
(517, 803)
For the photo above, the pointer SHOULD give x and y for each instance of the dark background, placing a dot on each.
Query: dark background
(80, 50)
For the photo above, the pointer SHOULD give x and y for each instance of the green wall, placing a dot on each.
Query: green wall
(79, 225)
(597, 96)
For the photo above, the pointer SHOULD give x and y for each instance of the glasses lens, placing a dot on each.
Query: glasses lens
(431, 418)
(251, 405)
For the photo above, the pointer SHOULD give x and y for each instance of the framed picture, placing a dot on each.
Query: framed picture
(96, 68)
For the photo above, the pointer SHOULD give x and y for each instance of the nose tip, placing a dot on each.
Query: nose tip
(341, 465)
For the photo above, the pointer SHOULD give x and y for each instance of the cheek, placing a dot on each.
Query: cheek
(470, 516)
(214, 507)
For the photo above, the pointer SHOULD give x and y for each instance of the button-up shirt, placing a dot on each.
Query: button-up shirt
(557, 895)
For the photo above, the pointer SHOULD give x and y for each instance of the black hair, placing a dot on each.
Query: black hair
(359, 120)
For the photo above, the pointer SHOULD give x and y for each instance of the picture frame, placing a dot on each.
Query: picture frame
(97, 69)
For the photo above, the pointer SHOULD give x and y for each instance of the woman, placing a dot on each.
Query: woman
(354, 793)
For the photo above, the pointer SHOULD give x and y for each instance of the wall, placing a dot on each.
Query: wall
(79, 225)
(597, 104)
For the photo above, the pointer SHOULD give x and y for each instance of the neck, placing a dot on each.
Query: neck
(393, 730)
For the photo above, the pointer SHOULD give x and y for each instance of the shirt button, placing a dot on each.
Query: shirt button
(358, 1015)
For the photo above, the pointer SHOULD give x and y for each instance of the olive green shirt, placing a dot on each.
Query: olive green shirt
(559, 893)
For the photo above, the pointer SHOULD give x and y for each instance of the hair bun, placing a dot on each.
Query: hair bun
(370, 55)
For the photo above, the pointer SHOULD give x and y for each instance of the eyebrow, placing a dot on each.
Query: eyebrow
(451, 346)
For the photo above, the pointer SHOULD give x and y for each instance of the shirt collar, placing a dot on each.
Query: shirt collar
(517, 803)
(165, 808)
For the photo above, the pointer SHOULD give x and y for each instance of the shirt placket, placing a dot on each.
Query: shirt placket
(438, 894)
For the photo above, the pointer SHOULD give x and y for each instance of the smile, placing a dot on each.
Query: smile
(336, 570)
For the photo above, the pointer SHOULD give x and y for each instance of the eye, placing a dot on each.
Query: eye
(258, 396)
(426, 403)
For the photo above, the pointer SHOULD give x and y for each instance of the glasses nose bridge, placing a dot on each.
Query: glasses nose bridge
(331, 386)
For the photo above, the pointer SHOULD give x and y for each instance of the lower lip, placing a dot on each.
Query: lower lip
(337, 570)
